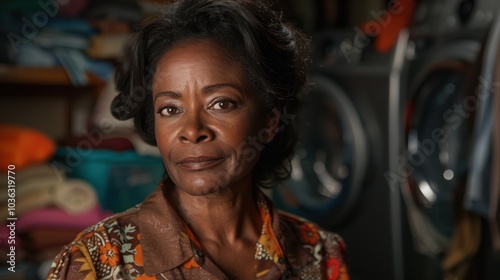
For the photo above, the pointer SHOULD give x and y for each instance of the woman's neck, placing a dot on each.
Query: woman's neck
(226, 217)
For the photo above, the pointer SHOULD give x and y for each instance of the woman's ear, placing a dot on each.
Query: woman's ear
(271, 126)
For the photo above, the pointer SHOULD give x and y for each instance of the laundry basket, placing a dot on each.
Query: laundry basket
(121, 179)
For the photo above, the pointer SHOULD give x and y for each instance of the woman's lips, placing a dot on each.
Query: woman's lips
(199, 163)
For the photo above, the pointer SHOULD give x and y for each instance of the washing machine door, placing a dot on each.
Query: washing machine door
(479, 187)
(330, 160)
(438, 129)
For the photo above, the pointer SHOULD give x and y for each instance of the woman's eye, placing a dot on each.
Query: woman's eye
(169, 111)
(224, 104)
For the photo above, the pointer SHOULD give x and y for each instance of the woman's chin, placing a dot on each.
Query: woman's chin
(201, 187)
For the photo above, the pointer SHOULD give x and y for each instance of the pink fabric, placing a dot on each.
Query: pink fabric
(57, 218)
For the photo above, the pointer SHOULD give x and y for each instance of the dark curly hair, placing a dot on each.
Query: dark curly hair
(273, 53)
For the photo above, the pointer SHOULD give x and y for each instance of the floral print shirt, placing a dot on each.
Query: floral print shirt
(150, 241)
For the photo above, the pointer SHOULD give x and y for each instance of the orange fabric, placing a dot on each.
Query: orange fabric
(267, 237)
(387, 24)
(109, 254)
(191, 263)
(22, 146)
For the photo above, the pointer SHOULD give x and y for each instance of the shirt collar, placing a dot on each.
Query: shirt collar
(279, 224)
(165, 237)
(296, 255)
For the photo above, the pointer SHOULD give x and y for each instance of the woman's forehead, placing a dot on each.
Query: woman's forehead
(200, 61)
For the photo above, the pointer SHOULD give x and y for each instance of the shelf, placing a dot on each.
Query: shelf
(18, 81)
(21, 77)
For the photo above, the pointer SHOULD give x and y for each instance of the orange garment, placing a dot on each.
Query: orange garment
(20, 146)
(387, 24)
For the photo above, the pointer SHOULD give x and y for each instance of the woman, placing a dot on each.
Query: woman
(214, 84)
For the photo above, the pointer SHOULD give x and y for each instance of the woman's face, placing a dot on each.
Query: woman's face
(208, 120)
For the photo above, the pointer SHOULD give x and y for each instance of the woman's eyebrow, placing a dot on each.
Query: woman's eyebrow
(172, 94)
(212, 88)
(205, 90)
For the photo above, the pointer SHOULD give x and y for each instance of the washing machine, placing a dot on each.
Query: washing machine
(450, 40)
(437, 144)
(349, 133)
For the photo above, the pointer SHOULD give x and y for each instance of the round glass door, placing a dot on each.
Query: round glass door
(438, 134)
(330, 160)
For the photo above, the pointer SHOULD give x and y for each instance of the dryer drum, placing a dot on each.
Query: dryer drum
(438, 129)
(331, 158)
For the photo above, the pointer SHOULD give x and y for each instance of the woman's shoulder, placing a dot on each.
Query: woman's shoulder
(115, 224)
(101, 249)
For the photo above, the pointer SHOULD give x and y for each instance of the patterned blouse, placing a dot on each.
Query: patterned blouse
(150, 241)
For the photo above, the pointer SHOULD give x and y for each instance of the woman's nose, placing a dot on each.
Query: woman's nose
(195, 129)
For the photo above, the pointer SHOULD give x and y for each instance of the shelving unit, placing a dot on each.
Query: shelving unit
(18, 81)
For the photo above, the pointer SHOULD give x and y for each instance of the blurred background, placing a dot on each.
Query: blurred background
(400, 136)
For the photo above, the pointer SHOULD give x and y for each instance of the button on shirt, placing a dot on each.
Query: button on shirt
(150, 241)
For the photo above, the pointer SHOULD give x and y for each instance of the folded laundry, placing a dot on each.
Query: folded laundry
(70, 195)
(23, 147)
(33, 178)
(76, 196)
